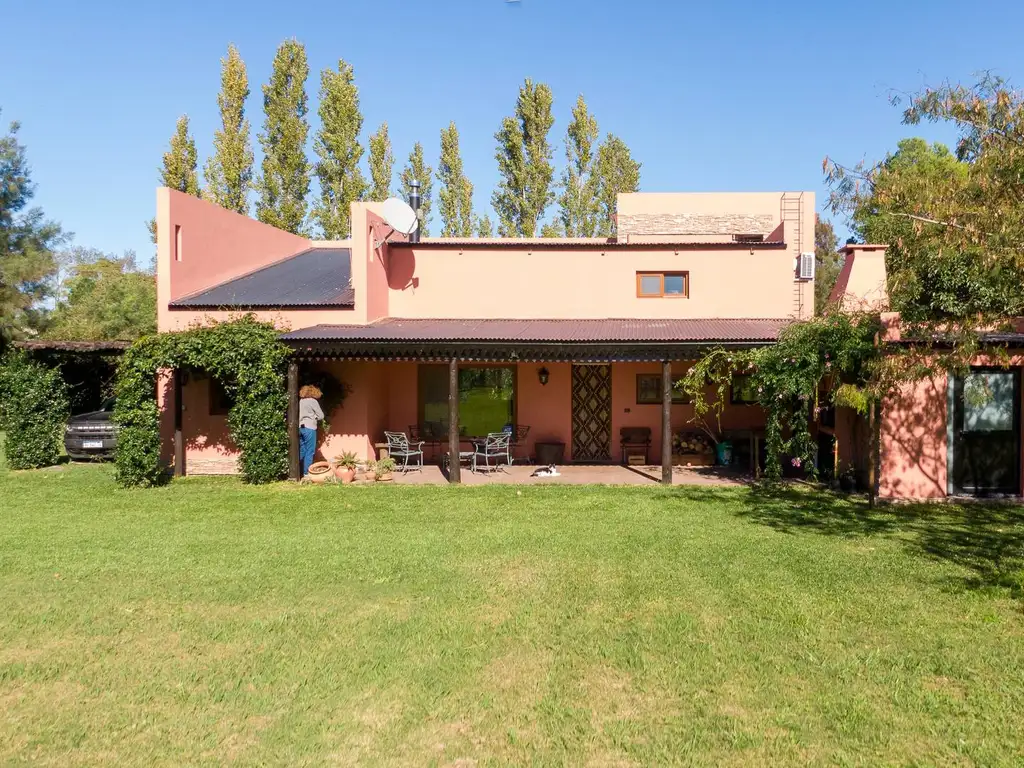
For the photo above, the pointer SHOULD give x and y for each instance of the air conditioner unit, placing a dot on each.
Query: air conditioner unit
(805, 266)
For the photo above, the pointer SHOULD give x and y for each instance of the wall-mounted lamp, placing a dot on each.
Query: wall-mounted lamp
(542, 376)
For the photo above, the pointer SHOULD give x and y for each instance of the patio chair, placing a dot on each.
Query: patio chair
(494, 448)
(401, 450)
(426, 433)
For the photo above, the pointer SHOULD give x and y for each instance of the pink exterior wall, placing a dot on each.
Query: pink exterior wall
(861, 284)
(913, 441)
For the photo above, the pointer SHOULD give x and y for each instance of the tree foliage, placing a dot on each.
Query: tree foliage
(617, 172)
(284, 182)
(578, 204)
(338, 152)
(33, 411)
(484, 227)
(179, 167)
(953, 224)
(382, 164)
(103, 297)
(27, 243)
(229, 171)
(456, 192)
(418, 170)
(246, 357)
(524, 162)
(828, 262)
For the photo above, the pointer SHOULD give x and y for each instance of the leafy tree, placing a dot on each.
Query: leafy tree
(382, 164)
(418, 170)
(104, 297)
(953, 224)
(338, 152)
(179, 168)
(27, 243)
(33, 411)
(284, 182)
(484, 227)
(578, 206)
(456, 191)
(229, 171)
(827, 260)
(617, 172)
(524, 162)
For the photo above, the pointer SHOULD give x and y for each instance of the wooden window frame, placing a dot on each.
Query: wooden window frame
(661, 293)
(678, 398)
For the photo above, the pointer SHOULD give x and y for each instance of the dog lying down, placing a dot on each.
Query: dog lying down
(549, 471)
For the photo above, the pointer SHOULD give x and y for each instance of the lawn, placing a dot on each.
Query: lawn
(210, 622)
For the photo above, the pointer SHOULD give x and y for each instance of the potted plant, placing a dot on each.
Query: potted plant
(345, 467)
(320, 472)
(385, 468)
(371, 470)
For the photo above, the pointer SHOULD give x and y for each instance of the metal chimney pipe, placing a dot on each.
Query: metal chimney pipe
(414, 203)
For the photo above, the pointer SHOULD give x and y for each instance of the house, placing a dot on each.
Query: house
(571, 338)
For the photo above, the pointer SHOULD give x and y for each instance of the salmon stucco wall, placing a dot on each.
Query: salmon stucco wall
(545, 409)
(913, 441)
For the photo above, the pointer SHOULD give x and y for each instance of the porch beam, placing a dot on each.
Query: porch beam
(454, 468)
(179, 438)
(666, 422)
(293, 421)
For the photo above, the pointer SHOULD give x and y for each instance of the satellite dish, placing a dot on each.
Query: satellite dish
(400, 216)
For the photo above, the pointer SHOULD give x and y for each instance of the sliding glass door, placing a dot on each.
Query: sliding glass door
(986, 432)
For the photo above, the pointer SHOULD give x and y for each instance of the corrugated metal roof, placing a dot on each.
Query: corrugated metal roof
(318, 277)
(576, 243)
(582, 331)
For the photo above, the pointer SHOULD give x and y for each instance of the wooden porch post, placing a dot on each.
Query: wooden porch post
(454, 468)
(179, 440)
(293, 421)
(666, 423)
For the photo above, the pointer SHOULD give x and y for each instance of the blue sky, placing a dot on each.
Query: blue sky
(709, 96)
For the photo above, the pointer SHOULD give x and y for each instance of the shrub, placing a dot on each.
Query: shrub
(34, 410)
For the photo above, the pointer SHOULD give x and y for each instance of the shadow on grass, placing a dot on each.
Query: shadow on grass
(985, 539)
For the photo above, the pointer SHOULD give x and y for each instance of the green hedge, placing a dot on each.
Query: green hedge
(246, 356)
(34, 410)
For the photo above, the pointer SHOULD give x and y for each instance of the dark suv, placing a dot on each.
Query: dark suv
(92, 435)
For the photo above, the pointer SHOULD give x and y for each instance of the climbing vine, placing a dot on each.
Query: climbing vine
(249, 360)
(831, 358)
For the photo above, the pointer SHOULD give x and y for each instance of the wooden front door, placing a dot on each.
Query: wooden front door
(591, 413)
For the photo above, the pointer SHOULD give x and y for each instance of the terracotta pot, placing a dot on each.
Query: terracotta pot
(384, 478)
(370, 475)
(345, 474)
(320, 472)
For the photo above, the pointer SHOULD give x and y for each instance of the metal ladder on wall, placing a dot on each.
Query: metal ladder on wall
(791, 213)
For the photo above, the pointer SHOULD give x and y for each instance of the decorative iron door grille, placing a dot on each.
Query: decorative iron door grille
(591, 412)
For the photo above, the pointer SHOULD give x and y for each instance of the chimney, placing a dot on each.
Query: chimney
(414, 203)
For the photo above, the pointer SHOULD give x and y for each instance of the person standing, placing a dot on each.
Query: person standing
(310, 416)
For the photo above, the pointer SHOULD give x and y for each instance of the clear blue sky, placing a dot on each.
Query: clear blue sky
(709, 96)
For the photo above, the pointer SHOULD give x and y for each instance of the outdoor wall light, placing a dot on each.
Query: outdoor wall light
(542, 376)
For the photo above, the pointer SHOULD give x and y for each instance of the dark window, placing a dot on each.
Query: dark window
(648, 390)
(652, 285)
(743, 391)
(487, 397)
(221, 402)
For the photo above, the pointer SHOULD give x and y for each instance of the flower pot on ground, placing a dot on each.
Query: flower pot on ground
(385, 468)
(345, 467)
(320, 472)
(370, 473)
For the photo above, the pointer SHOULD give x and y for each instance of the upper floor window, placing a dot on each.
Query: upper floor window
(652, 285)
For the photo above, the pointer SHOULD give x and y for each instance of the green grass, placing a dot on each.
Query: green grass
(209, 622)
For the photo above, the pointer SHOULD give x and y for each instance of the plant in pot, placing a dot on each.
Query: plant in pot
(320, 472)
(345, 467)
(370, 473)
(385, 468)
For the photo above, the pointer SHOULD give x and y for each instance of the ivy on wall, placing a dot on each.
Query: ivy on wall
(246, 357)
(34, 410)
(834, 358)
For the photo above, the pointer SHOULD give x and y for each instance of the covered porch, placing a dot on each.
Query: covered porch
(569, 389)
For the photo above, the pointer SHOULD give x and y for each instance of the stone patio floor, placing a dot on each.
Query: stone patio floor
(579, 474)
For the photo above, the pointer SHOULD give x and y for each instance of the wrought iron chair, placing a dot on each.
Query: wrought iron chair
(518, 441)
(401, 450)
(494, 448)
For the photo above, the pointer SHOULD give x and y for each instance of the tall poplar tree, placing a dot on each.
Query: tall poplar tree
(229, 171)
(578, 204)
(284, 181)
(484, 228)
(382, 163)
(418, 170)
(617, 172)
(179, 167)
(524, 162)
(456, 192)
(338, 152)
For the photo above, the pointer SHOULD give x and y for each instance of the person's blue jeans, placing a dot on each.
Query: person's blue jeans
(307, 447)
